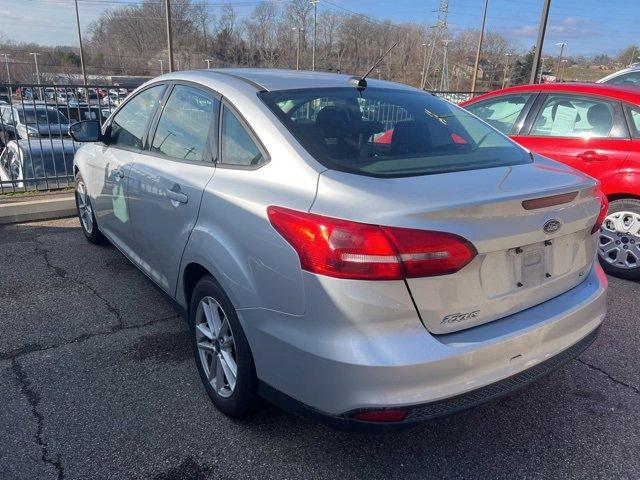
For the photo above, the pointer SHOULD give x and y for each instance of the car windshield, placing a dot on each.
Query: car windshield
(41, 116)
(390, 132)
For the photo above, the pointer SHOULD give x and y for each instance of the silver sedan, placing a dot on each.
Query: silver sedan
(356, 250)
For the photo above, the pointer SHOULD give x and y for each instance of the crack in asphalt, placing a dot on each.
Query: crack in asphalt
(609, 376)
(62, 273)
(36, 347)
(33, 398)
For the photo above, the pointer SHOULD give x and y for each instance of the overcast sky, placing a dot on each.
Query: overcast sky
(588, 26)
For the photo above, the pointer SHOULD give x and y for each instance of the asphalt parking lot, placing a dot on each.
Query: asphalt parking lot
(97, 381)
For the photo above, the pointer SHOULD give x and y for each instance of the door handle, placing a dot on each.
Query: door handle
(592, 156)
(176, 196)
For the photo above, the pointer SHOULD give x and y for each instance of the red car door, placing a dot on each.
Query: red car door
(586, 132)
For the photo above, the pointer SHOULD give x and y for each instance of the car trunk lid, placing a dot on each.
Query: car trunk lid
(519, 264)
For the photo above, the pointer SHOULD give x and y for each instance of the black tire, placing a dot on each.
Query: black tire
(244, 399)
(92, 234)
(623, 205)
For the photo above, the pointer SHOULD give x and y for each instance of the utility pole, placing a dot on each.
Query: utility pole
(474, 77)
(423, 79)
(299, 29)
(167, 6)
(315, 31)
(82, 68)
(561, 45)
(541, 31)
(161, 66)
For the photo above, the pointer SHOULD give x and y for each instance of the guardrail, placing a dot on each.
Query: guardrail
(36, 149)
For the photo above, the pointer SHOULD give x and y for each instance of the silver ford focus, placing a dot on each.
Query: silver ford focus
(355, 250)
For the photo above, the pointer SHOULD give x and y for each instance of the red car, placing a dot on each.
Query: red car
(594, 128)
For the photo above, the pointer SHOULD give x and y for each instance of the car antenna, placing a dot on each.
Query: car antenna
(361, 82)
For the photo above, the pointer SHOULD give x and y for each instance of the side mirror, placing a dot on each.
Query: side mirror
(86, 131)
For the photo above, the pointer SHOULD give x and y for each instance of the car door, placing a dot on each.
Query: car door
(167, 183)
(586, 132)
(109, 175)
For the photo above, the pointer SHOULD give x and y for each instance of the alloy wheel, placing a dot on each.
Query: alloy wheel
(84, 207)
(216, 346)
(619, 240)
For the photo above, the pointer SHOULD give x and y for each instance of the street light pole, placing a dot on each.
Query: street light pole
(6, 62)
(167, 6)
(564, 64)
(423, 79)
(299, 29)
(507, 63)
(315, 31)
(541, 31)
(84, 73)
(474, 77)
(561, 45)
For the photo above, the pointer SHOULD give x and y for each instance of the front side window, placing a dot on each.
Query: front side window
(130, 123)
(577, 116)
(501, 113)
(184, 126)
(631, 78)
(236, 144)
(390, 132)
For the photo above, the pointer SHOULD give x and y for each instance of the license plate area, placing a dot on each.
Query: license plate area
(530, 264)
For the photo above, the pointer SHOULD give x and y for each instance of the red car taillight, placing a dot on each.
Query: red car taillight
(345, 249)
(604, 208)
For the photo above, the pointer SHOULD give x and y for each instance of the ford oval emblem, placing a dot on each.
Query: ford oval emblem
(551, 226)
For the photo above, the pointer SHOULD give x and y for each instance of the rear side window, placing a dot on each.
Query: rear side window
(237, 147)
(184, 128)
(501, 113)
(579, 116)
(130, 123)
(633, 114)
(390, 132)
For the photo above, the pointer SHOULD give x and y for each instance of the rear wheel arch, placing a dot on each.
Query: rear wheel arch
(193, 272)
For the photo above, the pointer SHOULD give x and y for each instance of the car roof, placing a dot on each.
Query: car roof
(276, 79)
(625, 93)
(632, 68)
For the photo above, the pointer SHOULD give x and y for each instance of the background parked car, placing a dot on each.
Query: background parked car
(45, 163)
(594, 128)
(22, 121)
(77, 112)
(627, 76)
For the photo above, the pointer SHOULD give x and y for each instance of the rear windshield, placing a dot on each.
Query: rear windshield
(390, 132)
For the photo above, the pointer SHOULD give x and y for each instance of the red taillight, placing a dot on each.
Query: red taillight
(345, 249)
(604, 208)
(381, 416)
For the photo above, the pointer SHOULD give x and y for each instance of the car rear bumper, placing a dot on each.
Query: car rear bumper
(337, 374)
